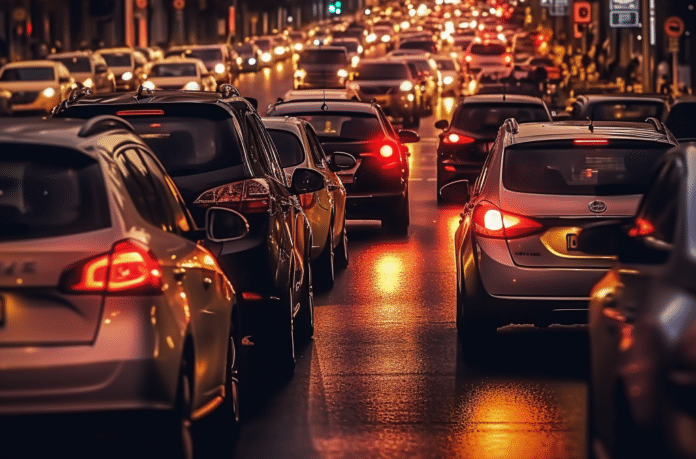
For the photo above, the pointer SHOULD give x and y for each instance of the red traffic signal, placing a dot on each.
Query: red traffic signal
(582, 12)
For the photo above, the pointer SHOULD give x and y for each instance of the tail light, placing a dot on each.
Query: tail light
(641, 227)
(249, 196)
(507, 58)
(490, 221)
(457, 139)
(386, 151)
(130, 268)
(591, 142)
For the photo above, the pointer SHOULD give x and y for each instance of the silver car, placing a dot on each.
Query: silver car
(107, 303)
(517, 259)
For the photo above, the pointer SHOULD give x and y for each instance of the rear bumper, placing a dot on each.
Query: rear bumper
(372, 206)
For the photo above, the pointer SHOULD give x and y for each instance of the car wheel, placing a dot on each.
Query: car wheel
(341, 256)
(305, 317)
(397, 222)
(325, 264)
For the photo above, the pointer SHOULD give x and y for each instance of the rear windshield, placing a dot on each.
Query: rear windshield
(208, 56)
(173, 70)
(445, 64)
(487, 50)
(323, 56)
(487, 118)
(117, 60)
(75, 64)
(424, 45)
(28, 74)
(626, 111)
(621, 168)
(343, 127)
(382, 71)
(350, 46)
(289, 147)
(49, 192)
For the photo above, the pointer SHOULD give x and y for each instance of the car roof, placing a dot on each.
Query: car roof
(34, 63)
(120, 50)
(500, 98)
(567, 130)
(584, 98)
(71, 54)
(325, 47)
(336, 105)
(284, 123)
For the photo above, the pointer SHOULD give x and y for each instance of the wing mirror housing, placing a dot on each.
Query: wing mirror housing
(458, 191)
(442, 124)
(611, 238)
(341, 161)
(407, 136)
(224, 225)
(306, 180)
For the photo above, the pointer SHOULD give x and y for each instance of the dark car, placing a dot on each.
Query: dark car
(681, 118)
(322, 67)
(128, 66)
(642, 322)
(218, 152)
(377, 187)
(466, 140)
(618, 107)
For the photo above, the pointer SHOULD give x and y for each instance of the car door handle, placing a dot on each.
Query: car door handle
(179, 273)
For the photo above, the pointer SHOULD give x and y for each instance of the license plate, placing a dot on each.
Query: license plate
(572, 241)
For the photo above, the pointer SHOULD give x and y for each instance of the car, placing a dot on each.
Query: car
(426, 45)
(266, 45)
(322, 67)
(681, 118)
(425, 74)
(36, 86)
(618, 107)
(377, 187)
(641, 321)
(5, 103)
(298, 38)
(128, 66)
(219, 154)
(88, 69)
(390, 84)
(451, 74)
(219, 59)
(110, 305)
(466, 139)
(487, 55)
(352, 46)
(298, 146)
(249, 57)
(179, 73)
(516, 252)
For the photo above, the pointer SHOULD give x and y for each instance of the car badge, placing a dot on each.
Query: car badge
(597, 206)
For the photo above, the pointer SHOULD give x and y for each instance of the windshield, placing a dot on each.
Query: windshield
(382, 71)
(209, 56)
(323, 56)
(173, 70)
(264, 44)
(622, 168)
(28, 74)
(246, 48)
(75, 64)
(445, 64)
(487, 118)
(117, 60)
(344, 127)
(487, 50)
(350, 46)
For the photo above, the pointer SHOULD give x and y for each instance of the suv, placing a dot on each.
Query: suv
(377, 186)
(390, 84)
(516, 247)
(218, 152)
(88, 69)
(487, 55)
(128, 66)
(322, 67)
(466, 140)
(118, 302)
(220, 60)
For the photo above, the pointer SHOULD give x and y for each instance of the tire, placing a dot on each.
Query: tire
(341, 257)
(325, 274)
(632, 441)
(398, 221)
(175, 436)
(305, 317)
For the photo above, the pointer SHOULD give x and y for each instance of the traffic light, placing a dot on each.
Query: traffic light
(335, 7)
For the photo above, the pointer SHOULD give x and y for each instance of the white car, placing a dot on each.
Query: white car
(180, 73)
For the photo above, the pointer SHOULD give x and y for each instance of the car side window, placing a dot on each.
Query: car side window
(145, 197)
(315, 148)
(659, 208)
(484, 170)
(268, 152)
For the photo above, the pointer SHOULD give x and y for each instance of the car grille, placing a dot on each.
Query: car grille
(24, 97)
(373, 90)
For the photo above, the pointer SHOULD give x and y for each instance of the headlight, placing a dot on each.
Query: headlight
(279, 50)
(299, 74)
(316, 42)
(127, 76)
(410, 98)
(386, 38)
(239, 61)
(88, 82)
(448, 80)
(252, 61)
(266, 57)
(192, 86)
(49, 92)
(149, 85)
(406, 86)
(220, 68)
(298, 46)
(354, 61)
(342, 73)
(360, 49)
(371, 38)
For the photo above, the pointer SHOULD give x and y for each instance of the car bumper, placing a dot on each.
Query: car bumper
(132, 364)
(371, 206)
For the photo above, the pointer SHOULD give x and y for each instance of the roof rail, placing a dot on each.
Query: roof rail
(78, 93)
(228, 90)
(511, 126)
(659, 127)
(103, 123)
(144, 89)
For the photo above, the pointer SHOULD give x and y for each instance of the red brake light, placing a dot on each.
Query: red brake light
(468, 58)
(490, 221)
(139, 112)
(642, 227)
(248, 196)
(130, 268)
(507, 58)
(386, 151)
(591, 142)
(457, 139)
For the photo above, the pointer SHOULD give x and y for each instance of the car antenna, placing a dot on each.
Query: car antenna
(591, 126)
(324, 106)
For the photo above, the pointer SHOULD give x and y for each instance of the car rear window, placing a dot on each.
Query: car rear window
(626, 111)
(323, 56)
(289, 147)
(382, 71)
(343, 127)
(173, 70)
(622, 167)
(487, 118)
(487, 50)
(48, 191)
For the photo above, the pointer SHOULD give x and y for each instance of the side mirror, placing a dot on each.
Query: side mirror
(457, 191)
(101, 68)
(224, 225)
(406, 136)
(611, 238)
(442, 124)
(340, 161)
(306, 181)
(601, 238)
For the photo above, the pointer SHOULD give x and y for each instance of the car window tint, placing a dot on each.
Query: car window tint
(625, 111)
(171, 69)
(289, 147)
(623, 167)
(346, 127)
(75, 64)
(315, 147)
(268, 152)
(28, 74)
(48, 192)
(487, 118)
(144, 195)
(382, 71)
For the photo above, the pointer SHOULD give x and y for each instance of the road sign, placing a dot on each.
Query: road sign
(631, 5)
(178, 4)
(621, 19)
(582, 12)
(674, 27)
(673, 46)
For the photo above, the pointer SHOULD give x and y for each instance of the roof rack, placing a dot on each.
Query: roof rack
(511, 125)
(104, 123)
(228, 90)
(78, 93)
(659, 127)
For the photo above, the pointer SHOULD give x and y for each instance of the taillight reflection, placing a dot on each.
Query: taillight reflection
(490, 221)
(457, 139)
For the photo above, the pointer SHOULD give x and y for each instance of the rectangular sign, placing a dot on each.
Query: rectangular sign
(232, 21)
(622, 19)
(630, 5)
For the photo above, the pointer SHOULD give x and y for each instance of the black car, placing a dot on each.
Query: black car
(466, 140)
(618, 107)
(377, 187)
(218, 152)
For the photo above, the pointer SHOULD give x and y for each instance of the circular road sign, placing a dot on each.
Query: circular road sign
(674, 27)
(178, 4)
